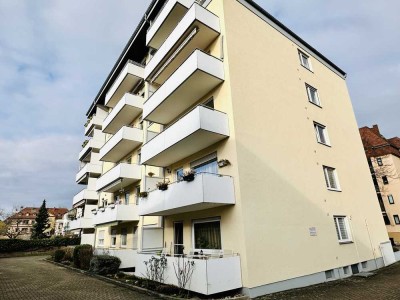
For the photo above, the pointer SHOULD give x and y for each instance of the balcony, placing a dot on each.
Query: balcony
(197, 130)
(88, 170)
(166, 21)
(85, 195)
(130, 76)
(115, 213)
(128, 108)
(196, 77)
(119, 177)
(128, 257)
(95, 122)
(92, 145)
(121, 144)
(197, 30)
(210, 276)
(204, 192)
(80, 223)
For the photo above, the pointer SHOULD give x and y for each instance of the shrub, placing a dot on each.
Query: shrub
(104, 264)
(59, 255)
(82, 255)
(168, 289)
(69, 252)
(14, 245)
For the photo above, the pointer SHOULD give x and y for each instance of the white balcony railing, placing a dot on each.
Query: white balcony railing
(196, 77)
(210, 276)
(121, 144)
(166, 21)
(95, 122)
(90, 169)
(92, 145)
(130, 75)
(198, 28)
(128, 257)
(197, 130)
(115, 213)
(204, 192)
(128, 108)
(80, 223)
(119, 177)
(85, 194)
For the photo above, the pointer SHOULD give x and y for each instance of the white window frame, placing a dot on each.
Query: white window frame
(309, 89)
(390, 199)
(100, 239)
(379, 161)
(126, 238)
(325, 133)
(209, 220)
(306, 57)
(113, 240)
(396, 219)
(347, 227)
(325, 168)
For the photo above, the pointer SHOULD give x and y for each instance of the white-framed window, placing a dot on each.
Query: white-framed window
(390, 199)
(342, 229)
(100, 238)
(331, 178)
(313, 95)
(379, 161)
(396, 219)
(124, 236)
(305, 60)
(321, 133)
(206, 234)
(126, 199)
(113, 237)
(206, 164)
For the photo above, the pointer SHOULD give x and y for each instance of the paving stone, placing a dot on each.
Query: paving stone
(34, 279)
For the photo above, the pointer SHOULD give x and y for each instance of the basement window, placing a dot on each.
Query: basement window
(329, 274)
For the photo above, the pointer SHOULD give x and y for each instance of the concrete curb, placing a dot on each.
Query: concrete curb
(130, 286)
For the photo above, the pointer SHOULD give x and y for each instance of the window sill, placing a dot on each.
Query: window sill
(345, 242)
(334, 190)
(308, 69)
(317, 105)
(327, 145)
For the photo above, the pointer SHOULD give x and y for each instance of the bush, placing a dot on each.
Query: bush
(59, 255)
(14, 245)
(82, 256)
(104, 264)
(168, 289)
(69, 252)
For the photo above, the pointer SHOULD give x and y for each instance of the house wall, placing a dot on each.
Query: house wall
(282, 189)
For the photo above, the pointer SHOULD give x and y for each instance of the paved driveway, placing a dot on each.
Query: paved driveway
(34, 279)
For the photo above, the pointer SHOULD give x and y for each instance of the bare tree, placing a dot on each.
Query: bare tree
(10, 226)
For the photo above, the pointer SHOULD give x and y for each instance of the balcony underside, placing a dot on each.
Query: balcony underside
(197, 30)
(127, 109)
(118, 178)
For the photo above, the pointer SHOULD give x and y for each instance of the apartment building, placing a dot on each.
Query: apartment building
(383, 157)
(264, 122)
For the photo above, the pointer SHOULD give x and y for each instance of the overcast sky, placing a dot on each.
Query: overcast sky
(55, 55)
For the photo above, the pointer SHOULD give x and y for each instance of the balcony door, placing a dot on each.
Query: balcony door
(178, 238)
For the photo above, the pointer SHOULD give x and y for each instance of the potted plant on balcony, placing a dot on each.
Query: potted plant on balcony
(151, 174)
(143, 194)
(163, 185)
(189, 175)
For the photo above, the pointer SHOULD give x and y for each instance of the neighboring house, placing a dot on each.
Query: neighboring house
(383, 157)
(278, 200)
(24, 219)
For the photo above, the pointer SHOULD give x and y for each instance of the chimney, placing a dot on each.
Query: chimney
(375, 129)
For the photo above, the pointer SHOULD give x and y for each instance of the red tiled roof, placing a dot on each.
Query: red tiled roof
(375, 144)
(31, 213)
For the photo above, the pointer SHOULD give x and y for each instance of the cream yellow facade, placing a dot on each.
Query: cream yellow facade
(275, 201)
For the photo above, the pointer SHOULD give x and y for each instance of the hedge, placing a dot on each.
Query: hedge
(14, 245)
(82, 256)
(104, 264)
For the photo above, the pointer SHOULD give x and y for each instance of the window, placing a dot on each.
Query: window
(305, 60)
(126, 199)
(390, 199)
(116, 200)
(179, 174)
(207, 164)
(385, 180)
(329, 274)
(346, 270)
(379, 161)
(100, 240)
(124, 234)
(331, 178)
(322, 134)
(386, 219)
(396, 219)
(113, 237)
(207, 234)
(137, 194)
(342, 229)
(313, 95)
